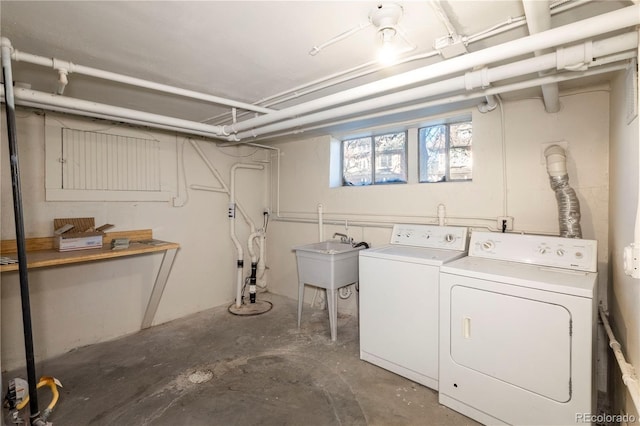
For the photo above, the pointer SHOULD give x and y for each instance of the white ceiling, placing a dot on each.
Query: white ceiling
(242, 50)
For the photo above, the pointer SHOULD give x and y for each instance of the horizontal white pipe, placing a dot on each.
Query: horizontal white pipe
(480, 78)
(82, 107)
(471, 95)
(207, 188)
(590, 27)
(373, 66)
(70, 67)
(629, 377)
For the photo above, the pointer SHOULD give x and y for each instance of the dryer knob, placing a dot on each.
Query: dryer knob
(449, 238)
(542, 250)
(560, 252)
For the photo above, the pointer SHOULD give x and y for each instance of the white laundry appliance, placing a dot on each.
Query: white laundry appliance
(517, 329)
(399, 299)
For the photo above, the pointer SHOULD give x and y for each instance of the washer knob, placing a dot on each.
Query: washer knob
(449, 238)
(488, 245)
(542, 250)
(560, 252)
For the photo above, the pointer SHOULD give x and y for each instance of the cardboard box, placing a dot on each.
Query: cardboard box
(77, 234)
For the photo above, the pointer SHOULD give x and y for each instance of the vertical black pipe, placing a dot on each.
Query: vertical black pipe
(20, 237)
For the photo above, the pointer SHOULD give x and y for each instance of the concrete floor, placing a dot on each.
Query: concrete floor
(264, 372)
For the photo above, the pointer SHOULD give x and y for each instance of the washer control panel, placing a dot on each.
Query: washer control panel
(568, 253)
(432, 236)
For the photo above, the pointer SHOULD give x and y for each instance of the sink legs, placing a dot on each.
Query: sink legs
(332, 306)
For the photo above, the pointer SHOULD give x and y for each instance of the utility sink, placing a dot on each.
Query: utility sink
(329, 265)
(328, 247)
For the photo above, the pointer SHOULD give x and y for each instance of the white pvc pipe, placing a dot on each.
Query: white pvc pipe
(261, 280)
(207, 188)
(629, 377)
(488, 105)
(82, 107)
(590, 27)
(320, 224)
(442, 214)
(350, 74)
(133, 81)
(471, 80)
(637, 228)
(467, 96)
(232, 227)
(539, 20)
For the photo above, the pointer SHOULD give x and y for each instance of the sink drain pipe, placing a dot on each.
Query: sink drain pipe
(568, 204)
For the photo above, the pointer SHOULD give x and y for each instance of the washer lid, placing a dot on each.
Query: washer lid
(427, 256)
(558, 280)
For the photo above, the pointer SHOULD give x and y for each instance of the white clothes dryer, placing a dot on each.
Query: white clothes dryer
(517, 327)
(399, 299)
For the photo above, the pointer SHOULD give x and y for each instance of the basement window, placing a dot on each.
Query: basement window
(375, 160)
(444, 152)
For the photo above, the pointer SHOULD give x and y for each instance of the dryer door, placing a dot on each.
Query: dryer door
(520, 341)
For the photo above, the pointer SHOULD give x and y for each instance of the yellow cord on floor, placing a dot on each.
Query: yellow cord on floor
(44, 381)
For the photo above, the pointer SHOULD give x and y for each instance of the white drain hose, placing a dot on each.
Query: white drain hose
(568, 204)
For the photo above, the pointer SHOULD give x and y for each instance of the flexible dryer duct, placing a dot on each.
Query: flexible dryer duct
(568, 204)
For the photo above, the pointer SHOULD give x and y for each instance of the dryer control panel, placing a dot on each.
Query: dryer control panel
(432, 236)
(567, 253)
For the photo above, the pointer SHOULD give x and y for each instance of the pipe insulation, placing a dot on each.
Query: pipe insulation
(568, 204)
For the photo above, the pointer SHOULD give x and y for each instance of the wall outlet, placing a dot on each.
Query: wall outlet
(266, 211)
(505, 220)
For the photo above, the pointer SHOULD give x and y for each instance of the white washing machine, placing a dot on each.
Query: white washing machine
(517, 329)
(399, 299)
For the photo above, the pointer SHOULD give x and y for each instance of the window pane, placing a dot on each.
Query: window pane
(356, 162)
(433, 155)
(460, 158)
(391, 158)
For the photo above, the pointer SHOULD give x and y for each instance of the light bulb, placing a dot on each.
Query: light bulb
(387, 53)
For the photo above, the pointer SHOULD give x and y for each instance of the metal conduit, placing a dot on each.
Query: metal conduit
(20, 237)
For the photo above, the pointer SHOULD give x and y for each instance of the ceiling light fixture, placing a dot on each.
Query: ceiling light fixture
(385, 17)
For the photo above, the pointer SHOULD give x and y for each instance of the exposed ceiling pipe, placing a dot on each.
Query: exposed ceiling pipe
(70, 67)
(601, 24)
(373, 66)
(539, 20)
(471, 80)
(580, 30)
(27, 97)
(488, 105)
(458, 98)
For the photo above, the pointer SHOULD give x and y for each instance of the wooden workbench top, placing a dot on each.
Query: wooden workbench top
(41, 254)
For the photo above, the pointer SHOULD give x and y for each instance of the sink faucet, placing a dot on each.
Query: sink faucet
(343, 238)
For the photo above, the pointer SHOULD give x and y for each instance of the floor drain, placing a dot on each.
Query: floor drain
(200, 376)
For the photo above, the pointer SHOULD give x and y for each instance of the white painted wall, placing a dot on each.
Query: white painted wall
(83, 304)
(583, 123)
(624, 302)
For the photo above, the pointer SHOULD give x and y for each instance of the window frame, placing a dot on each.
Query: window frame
(447, 150)
(373, 159)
